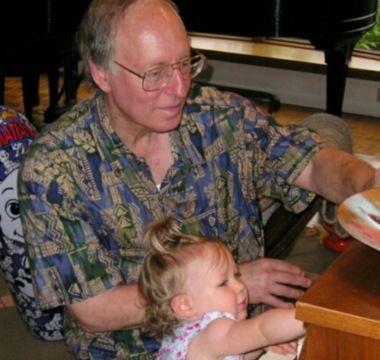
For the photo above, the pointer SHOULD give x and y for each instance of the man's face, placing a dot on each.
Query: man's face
(153, 35)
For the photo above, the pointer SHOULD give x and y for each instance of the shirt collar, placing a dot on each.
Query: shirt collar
(187, 143)
(105, 120)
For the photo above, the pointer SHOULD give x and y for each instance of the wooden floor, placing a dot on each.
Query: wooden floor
(365, 130)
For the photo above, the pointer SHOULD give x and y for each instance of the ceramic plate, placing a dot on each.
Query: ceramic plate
(359, 215)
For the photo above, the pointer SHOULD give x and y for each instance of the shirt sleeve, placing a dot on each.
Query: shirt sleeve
(67, 263)
(270, 156)
(278, 155)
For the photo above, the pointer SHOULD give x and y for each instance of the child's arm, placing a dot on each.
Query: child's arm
(225, 337)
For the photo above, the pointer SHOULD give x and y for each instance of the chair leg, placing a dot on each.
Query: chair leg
(53, 79)
(35, 85)
(52, 112)
(30, 93)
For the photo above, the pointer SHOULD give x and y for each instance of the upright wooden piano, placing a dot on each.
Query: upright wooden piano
(342, 309)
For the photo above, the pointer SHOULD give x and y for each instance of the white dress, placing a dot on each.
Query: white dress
(175, 347)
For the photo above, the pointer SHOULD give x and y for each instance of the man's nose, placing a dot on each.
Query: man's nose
(179, 84)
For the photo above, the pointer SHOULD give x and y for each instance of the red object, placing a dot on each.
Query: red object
(333, 241)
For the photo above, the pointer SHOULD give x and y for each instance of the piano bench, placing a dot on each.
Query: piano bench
(261, 97)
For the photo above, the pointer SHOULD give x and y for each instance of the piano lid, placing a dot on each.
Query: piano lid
(318, 21)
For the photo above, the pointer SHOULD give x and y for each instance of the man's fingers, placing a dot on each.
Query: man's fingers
(286, 291)
(268, 279)
(284, 266)
(276, 302)
(275, 265)
(291, 279)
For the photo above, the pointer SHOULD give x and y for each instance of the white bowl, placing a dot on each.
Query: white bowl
(359, 215)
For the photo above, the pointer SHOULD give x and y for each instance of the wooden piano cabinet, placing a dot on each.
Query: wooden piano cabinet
(327, 344)
(342, 309)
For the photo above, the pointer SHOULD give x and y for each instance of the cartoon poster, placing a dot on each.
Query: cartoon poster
(16, 133)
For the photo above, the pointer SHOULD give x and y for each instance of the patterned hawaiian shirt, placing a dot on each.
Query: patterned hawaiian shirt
(86, 199)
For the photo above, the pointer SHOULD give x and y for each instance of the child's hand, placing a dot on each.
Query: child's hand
(284, 349)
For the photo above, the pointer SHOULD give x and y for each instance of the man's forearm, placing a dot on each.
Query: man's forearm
(336, 175)
(118, 308)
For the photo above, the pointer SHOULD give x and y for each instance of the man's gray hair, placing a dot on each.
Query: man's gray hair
(96, 34)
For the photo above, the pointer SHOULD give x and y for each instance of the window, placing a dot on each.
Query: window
(371, 40)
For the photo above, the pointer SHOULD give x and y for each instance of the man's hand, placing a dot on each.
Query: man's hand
(267, 279)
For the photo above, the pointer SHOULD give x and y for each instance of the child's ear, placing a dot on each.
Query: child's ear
(182, 307)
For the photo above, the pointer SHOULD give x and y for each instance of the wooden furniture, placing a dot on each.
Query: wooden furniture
(342, 309)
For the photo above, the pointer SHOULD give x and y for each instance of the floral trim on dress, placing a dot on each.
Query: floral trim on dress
(175, 347)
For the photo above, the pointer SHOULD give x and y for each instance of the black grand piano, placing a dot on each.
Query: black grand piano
(333, 26)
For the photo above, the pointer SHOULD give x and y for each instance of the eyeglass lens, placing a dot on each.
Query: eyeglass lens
(157, 78)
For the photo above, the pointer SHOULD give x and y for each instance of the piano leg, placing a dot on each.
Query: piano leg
(337, 63)
(70, 82)
(71, 78)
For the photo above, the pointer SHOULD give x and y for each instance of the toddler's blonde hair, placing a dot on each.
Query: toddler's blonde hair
(162, 275)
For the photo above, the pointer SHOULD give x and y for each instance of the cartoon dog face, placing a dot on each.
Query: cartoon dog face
(4, 156)
(9, 208)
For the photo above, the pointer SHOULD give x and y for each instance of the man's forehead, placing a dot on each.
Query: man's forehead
(144, 17)
(144, 12)
(158, 39)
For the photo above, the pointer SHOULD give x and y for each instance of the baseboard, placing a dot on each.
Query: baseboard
(295, 87)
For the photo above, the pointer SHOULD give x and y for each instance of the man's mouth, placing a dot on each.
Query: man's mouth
(174, 107)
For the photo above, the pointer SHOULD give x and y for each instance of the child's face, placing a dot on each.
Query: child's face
(214, 283)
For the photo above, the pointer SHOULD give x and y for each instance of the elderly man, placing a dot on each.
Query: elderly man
(146, 145)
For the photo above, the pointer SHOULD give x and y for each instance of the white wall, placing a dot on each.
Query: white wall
(295, 87)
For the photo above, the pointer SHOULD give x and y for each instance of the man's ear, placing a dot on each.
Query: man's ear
(182, 307)
(100, 76)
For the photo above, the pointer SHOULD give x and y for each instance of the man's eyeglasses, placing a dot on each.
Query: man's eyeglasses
(158, 77)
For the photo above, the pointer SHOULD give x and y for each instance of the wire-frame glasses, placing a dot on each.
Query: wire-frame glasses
(158, 77)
